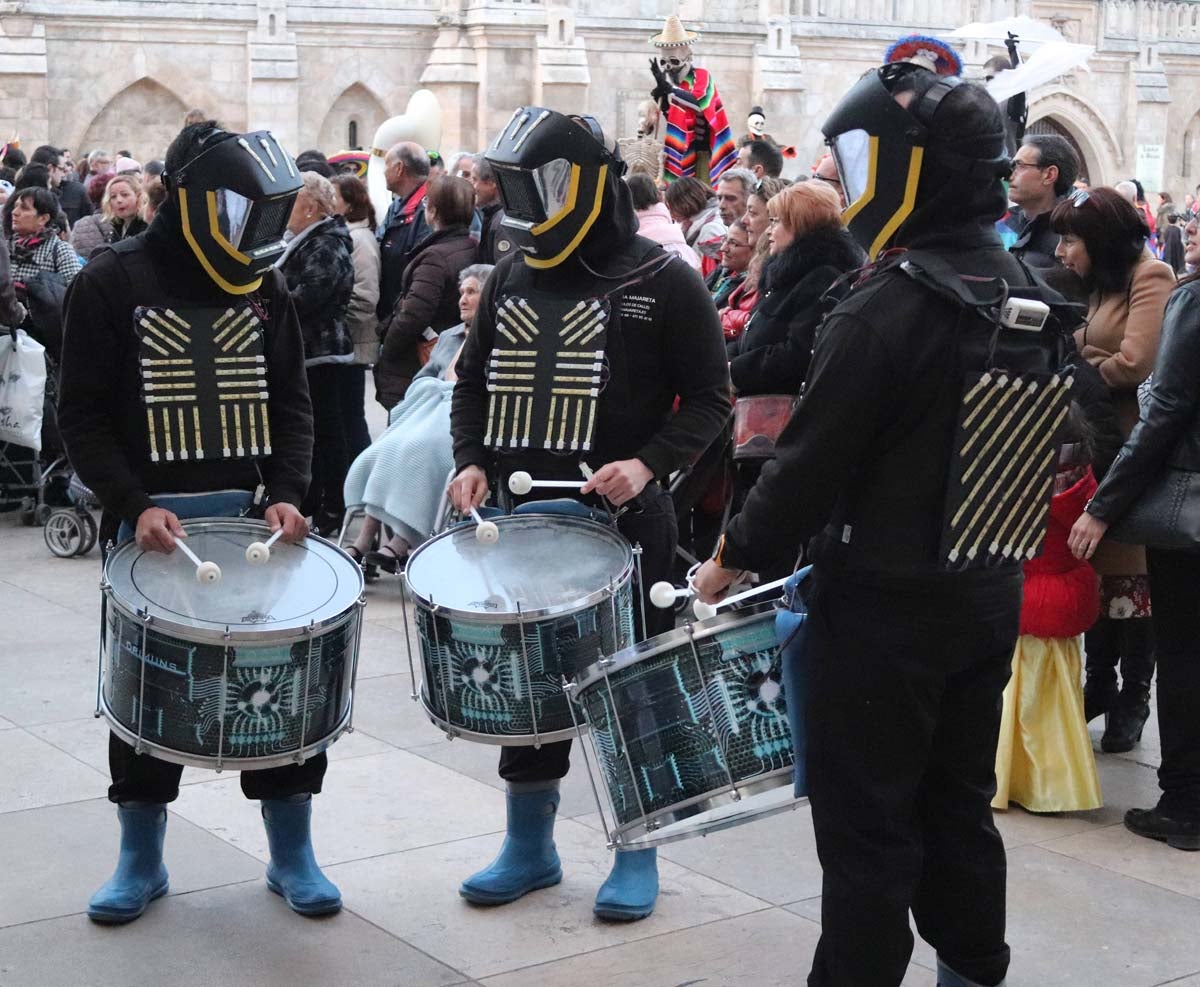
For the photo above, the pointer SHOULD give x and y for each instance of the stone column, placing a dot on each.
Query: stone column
(452, 73)
(272, 96)
(24, 102)
(780, 89)
(560, 74)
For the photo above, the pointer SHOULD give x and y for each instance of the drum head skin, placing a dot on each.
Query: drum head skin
(313, 582)
(543, 565)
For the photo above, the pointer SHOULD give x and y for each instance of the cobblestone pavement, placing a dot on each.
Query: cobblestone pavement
(406, 815)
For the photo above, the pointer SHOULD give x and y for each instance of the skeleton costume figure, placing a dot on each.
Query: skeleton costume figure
(699, 143)
(918, 468)
(583, 339)
(183, 395)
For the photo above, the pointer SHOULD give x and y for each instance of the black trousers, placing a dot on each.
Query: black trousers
(329, 461)
(142, 778)
(1175, 583)
(353, 387)
(654, 529)
(904, 699)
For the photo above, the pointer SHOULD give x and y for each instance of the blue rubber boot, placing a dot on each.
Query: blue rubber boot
(528, 859)
(631, 889)
(293, 872)
(140, 876)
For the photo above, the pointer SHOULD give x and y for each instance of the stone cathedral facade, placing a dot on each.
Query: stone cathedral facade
(325, 73)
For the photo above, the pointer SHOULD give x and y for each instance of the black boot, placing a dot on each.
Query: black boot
(1132, 707)
(1179, 830)
(1102, 652)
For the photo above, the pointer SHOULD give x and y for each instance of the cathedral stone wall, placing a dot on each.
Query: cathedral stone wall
(121, 73)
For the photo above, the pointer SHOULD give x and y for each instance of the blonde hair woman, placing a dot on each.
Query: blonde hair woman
(117, 219)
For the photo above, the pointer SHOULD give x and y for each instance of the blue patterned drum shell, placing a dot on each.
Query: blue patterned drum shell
(252, 672)
(682, 719)
(501, 625)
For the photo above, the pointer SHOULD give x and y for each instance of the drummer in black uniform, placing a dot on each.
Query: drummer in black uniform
(922, 474)
(640, 328)
(154, 327)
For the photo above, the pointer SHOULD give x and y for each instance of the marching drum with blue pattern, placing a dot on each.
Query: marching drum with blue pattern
(690, 729)
(501, 624)
(253, 671)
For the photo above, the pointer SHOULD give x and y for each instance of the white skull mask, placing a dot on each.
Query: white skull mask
(756, 123)
(675, 62)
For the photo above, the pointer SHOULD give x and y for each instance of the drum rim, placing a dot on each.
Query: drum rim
(690, 808)
(700, 630)
(214, 634)
(512, 616)
(231, 763)
(497, 740)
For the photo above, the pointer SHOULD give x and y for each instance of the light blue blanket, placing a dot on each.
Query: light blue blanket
(401, 477)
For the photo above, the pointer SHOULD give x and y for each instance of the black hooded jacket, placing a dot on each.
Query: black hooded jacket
(664, 340)
(101, 412)
(772, 355)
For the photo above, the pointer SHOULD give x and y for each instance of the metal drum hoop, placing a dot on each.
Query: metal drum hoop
(529, 616)
(226, 639)
(650, 824)
(229, 636)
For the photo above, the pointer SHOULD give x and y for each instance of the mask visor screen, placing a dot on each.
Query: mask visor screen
(852, 154)
(233, 211)
(267, 222)
(553, 181)
(520, 194)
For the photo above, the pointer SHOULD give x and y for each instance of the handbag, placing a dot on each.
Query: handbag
(22, 389)
(1166, 515)
(425, 350)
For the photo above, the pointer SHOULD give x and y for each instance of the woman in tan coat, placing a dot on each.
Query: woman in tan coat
(1104, 242)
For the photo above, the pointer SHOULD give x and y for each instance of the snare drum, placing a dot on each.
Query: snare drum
(758, 421)
(255, 671)
(500, 625)
(690, 730)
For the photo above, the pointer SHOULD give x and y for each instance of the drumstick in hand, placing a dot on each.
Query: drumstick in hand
(206, 572)
(258, 553)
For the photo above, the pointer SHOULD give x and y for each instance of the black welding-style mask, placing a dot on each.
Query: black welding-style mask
(552, 171)
(234, 200)
(882, 150)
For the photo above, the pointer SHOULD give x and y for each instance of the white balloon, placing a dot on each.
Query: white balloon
(421, 122)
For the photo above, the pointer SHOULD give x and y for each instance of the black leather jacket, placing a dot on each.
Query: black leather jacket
(1168, 432)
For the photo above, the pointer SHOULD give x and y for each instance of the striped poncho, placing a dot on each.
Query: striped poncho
(697, 96)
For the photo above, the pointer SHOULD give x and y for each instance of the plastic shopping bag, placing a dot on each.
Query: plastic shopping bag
(22, 389)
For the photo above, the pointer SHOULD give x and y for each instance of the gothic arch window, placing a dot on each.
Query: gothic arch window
(351, 120)
(144, 117)
(271, 25)
(1188, 158)
(562, 30)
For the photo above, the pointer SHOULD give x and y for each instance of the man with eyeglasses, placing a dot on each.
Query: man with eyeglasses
(71, 194)
(1044, 170)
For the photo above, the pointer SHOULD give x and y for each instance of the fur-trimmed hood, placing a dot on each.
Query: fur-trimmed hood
(821, 248)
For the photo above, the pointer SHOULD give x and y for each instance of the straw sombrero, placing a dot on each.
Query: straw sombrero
(673, 34)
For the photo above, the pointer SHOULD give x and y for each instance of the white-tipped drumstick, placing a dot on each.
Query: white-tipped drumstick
(705, 610)
(485, 531)
(520, 483)
(663, 595)
(258, 552)
(206, 572)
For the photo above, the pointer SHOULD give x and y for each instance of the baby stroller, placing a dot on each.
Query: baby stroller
(72, 531)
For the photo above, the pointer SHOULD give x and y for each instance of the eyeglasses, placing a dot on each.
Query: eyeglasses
(1014, 164)
(730, 244)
